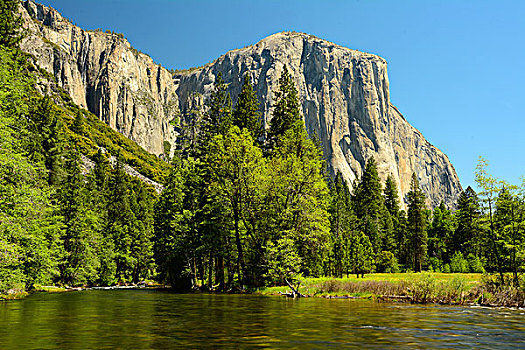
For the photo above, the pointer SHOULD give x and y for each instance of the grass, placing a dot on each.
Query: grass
(333, 286)
(443, 288)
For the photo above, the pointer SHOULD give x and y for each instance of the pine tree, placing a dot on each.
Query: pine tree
(10, 23)
(120, 219)
(391, 196)
(416, 224)
(46, 139)
(467, 237)
(368, 203)
(78, 123)
(286, 110)
(218, 118)
(342, 227)
(81, 237)
(246, 114)
(361, 252)
(440, 235)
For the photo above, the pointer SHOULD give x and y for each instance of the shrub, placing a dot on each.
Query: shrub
(458, 263)
(475, 264)
(435, 264)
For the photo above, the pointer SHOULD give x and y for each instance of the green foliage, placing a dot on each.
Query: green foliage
(218, 118)
(391, 196)
(369, 206)
(287, 110)
(343, 224)
(458, 263)
(387, 262)
(467, 236)
(172, 248)
(417, 234)
(29, 233)
(81, 235)
(283, 260)
(246, 114)
(10, 23)
(424, 286)
(475, 263)
(440, 234)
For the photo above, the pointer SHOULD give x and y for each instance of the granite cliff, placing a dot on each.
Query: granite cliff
(104, 74)
(344, 94)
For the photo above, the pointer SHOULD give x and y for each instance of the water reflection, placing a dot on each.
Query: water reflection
(159, 319)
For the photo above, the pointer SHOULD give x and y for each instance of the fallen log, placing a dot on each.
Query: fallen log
(295, 291)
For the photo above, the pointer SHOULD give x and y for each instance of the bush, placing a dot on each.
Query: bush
(435, 264)
(475, 264)
(459, 263)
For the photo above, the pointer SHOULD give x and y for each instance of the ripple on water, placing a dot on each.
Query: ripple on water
(146, 319)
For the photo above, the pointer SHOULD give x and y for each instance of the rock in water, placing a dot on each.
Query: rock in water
(344, 94)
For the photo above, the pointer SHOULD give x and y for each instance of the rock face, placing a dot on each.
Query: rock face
(346, 102)
(344, 94)
(104, 74)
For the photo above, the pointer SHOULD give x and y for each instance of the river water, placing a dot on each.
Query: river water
(131, 319)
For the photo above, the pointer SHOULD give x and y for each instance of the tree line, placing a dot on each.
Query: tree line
(243, 206)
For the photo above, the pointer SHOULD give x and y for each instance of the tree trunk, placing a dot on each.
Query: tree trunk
(210, 272)
(219, 273)
(241, 269)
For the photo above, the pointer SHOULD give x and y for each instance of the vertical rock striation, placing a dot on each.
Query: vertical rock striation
(344, 94)
(104, 74)
(346, 102)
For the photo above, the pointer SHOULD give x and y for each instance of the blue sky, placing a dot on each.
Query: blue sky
(456, 68)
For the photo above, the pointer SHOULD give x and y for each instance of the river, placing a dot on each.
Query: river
(132, 319)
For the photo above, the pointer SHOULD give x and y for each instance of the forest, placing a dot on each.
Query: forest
(243, 206)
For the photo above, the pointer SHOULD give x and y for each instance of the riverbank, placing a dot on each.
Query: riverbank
(441, 288)
(15, 294)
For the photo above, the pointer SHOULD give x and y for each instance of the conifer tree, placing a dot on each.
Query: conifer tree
(342, 227)
(246, 114)
(78, 123)
(142, 232)
(119, 220)
(440, 235)
(10, 23)
(46, 140)
(81, 236)
(217, 120)
(286, 110)
(416, 224)
(368, 203)
(391, 196)
(466, 237)
(171, 245)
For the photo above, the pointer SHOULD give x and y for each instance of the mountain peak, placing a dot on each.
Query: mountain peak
(344, 94)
